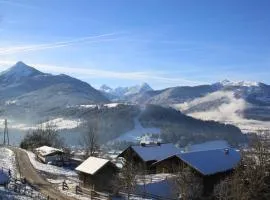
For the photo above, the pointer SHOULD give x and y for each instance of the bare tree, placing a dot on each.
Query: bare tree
(126, 180)
(188, 185)
(231, 188)
(251, 179)
(90, 141)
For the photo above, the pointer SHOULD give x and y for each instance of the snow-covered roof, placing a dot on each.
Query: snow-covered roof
(45, 150)
(212, 161)
(209, 145)
(156, 152)
(92, 165)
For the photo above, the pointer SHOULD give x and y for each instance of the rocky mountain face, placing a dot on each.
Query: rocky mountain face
(25, 91)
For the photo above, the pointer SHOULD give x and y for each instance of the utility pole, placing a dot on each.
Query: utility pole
(6, 137)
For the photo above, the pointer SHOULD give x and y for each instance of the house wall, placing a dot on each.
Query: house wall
(50, 158)
(171, 165)
(101, 180)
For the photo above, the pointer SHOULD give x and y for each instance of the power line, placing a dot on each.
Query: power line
(6, 136)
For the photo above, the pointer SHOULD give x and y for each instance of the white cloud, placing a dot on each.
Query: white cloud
(141, 76)
(27, 48)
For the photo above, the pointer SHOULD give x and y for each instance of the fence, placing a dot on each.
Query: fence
(20, 186)
(94, 195)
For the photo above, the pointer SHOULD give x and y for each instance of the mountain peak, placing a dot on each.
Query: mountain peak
(18, 71)
(227, 82)
(146, 86)
(106, 88)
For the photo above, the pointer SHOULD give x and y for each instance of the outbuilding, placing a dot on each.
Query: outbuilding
(97, 173)
(48, 154)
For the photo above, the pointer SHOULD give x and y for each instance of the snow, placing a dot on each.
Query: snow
(62, 123)
(210, 145)
(10, 102)
(156, 184)
(135, 134)
(211, 161)
(92, 165)
(111, 105)
(239, 83)
(3, 177)
(156, 152)
(88, 106)
(45, 150)
(49, 168)
(7, 160)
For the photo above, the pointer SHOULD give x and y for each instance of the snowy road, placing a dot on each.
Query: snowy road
(32, 176)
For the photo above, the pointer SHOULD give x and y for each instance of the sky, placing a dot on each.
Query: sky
(126, 42)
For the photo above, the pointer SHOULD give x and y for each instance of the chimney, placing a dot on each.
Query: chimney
(226, 151)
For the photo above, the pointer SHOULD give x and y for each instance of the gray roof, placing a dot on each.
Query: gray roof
(211, 161)
(156, 152)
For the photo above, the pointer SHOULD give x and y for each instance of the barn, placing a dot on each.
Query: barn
(97, 173)
(48, 154)
(145, 155)
(211, 165)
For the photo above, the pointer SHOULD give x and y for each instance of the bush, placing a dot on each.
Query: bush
(42, 136)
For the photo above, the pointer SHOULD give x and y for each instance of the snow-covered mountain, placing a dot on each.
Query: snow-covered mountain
(123, 93)
(25, 91)
(226, 83)
(17, 73)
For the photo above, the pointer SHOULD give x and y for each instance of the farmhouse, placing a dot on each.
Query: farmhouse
(211, 165)
(96, 173)
(146, 154)
(49, 154)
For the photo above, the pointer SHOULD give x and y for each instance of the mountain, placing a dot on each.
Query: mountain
(174, 126)
(243, 103)
(23, 89)
(124, 93)
(172, 95)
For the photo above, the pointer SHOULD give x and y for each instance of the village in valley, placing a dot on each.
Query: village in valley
(147, 170)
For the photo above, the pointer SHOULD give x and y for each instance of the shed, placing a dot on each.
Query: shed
(49, 154)
(97, 173)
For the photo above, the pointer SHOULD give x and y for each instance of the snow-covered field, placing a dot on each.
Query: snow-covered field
(137, 133)
(62, 123)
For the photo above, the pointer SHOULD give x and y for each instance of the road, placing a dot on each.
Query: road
(34, 178)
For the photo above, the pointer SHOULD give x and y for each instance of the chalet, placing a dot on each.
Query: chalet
(210, 165)
(49, 154)
(146, 154)
(97, 173)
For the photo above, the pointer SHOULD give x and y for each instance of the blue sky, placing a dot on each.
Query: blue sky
(126, 42)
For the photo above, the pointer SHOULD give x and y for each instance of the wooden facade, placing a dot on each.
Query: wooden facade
(101, 180)
(175, 165)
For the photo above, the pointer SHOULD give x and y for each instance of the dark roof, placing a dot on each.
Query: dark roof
(155, 152)
(211, 161)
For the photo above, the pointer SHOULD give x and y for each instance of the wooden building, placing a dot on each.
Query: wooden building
(145, 155)
(97, 173)
(210, 165)
(49, 154)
